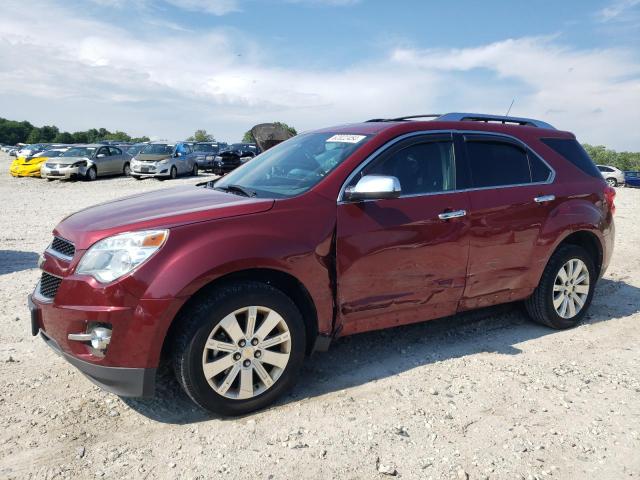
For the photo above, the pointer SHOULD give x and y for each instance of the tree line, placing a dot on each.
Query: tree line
(12, 132)
(606, 156)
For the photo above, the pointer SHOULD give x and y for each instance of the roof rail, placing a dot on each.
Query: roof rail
(480, 117)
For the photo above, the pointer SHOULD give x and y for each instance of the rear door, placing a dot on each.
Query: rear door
(511, 197)
(117, 160)
(397, 261)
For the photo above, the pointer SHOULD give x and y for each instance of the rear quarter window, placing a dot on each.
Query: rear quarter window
(571, 150)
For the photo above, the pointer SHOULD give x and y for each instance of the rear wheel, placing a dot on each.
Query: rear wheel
(612, 182)
(91, 174)
(239, 349)
(126, 171)
(565, 290)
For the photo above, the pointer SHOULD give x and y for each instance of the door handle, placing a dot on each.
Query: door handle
(454, 214)
(545, 198)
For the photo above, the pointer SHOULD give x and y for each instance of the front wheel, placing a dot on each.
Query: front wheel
(565, 290)
(91, 174)
(173, 173)
(194, 170)
(240, 348)
(612, 182)
(126, 171)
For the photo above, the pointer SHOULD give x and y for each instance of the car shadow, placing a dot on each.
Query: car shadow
(16, 261)
(368, 357)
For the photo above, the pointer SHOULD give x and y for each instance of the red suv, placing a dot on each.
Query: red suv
(331, 233)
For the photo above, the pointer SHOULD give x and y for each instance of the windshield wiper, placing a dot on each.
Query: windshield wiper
(238, 189)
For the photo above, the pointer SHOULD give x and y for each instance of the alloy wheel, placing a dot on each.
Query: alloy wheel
(571, 288)
(246, 352)
(612, 182)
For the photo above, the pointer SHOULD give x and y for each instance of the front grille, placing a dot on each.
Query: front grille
(63, 247)
(49, 285)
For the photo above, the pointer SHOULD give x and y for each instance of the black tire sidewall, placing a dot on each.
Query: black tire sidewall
(556, 262)
(88, 176)
(173, 173)
(209, 316)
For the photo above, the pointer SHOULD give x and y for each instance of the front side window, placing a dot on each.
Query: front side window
(495, 164)
(421, 168)
(294, 166)
(115, 151)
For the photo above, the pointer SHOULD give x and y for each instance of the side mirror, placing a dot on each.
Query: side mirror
(100, 155)
(178, 154)
(374, 187)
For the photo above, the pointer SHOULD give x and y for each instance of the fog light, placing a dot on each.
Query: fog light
(99, 337)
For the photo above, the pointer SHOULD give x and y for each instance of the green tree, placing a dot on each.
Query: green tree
(34, 135)
(622, 160)
(63, 137)
(201, 135)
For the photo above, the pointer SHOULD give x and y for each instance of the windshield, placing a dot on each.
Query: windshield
(135, 149)
(294, 166)
(50, 153)
(205, 147)
(157, 149)
(79, 152)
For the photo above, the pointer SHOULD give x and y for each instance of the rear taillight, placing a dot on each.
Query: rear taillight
(609, 196)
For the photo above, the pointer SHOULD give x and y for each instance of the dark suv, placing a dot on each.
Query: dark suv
(331, 233)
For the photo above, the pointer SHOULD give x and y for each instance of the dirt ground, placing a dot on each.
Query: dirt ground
(488, 395)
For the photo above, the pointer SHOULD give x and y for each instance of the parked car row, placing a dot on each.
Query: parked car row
(152, 159)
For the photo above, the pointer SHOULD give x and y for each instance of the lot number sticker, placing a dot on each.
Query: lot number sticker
(347, 138)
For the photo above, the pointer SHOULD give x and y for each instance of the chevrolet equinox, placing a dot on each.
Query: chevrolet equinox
(331, 233)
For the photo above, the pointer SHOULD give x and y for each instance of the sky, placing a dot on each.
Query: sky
(165, 68)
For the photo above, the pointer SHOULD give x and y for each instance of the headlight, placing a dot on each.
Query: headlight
(113, 257)
(81, 163)
(163, 162)
(208, 158)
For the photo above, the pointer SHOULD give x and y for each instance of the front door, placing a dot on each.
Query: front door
(398, 261)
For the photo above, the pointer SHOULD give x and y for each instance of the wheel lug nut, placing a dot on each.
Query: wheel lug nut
(236, 356)
(246, 363)
(254, 342)
(242, 343)
(258, 354)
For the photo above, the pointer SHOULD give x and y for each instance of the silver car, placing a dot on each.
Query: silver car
(164, 160)
(88, 162)
(613, 176)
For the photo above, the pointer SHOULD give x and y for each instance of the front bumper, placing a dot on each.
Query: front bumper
(61, 172)
(150, 171)
(123, 381)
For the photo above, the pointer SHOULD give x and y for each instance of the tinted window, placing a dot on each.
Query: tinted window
(421, 168)
(115, 151)
(495, 164)
(540, 172)
(571, 150)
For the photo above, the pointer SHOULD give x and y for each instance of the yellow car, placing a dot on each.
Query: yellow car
(30, 166)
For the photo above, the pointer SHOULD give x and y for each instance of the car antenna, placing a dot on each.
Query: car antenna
(509, 110)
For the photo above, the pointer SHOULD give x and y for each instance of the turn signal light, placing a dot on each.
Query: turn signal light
(610, 195)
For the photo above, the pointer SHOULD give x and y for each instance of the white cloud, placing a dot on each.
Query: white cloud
(617, 9)
(167, 84)
(216, 7)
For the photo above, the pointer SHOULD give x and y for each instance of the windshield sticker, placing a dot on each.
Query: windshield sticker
(347, 138)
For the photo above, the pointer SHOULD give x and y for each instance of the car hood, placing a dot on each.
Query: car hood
(66, 160)
(163, 208)
(149, 157)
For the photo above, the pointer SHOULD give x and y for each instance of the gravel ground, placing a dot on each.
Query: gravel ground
(486, 395)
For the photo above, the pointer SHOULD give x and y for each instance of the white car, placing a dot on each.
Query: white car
(613, 176)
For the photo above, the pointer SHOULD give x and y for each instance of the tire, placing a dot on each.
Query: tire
(126, 170)
(540, 305)
(207, 319)
(91, 174)
(173, 173)
(612, 182)
(194, 170)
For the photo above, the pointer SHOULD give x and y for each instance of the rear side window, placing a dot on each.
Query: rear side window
(573, 151)
(540, 172)
(495, 164)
